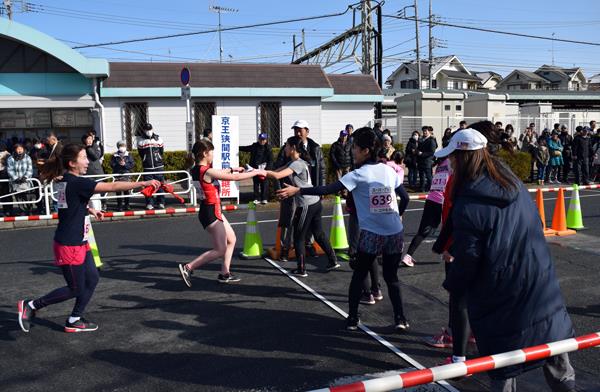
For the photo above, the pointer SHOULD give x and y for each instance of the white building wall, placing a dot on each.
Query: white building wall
(335, 116)
(112, 124)
(309, 109)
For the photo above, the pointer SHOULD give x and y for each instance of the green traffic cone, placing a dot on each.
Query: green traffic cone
(253, 246)
(574, 217)
(94, 246)
(337, 235)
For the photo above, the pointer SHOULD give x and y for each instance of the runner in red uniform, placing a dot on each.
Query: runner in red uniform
(206, 182)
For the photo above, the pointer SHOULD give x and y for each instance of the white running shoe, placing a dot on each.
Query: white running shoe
(408, 260)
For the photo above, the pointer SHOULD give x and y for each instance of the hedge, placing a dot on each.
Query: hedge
(519, 162)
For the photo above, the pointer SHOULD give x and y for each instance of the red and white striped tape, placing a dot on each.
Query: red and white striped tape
(473, 366)
(166, 211)
(191, 210)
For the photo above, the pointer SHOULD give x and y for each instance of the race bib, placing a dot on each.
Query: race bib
(439, 181)
(61, 194)
(382, 200)
(87, 226)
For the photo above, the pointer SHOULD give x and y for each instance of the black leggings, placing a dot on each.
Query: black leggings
(372, 284)
(308, 220)
(432, 216)
(458, 321)
(81, 283)
(390, 275)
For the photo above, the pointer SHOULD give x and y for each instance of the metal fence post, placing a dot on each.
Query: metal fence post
(47, 199)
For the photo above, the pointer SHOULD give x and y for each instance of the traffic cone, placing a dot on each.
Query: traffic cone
(539, 201)
(337, 234)
(253, 247)
(94, 247)
(559, 220)
(574, 218)
(275, 251)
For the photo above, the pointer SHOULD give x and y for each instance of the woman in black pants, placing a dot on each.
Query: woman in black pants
(307, 217)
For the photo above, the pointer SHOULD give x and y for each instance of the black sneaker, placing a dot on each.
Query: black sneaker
(228, 278)
(332, 266)
(367, 299)
(81, 325)
(26, 313)
(352, 323)
(401, 325)
(299, 272)
(186, 275)
(283, 257)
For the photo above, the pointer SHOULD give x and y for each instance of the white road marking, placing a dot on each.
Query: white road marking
(363, 327)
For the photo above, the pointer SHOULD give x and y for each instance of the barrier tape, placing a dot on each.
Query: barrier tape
(110, 214)
(473, 366)
(231, 207)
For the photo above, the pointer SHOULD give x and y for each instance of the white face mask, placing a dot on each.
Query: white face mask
(38, 146)
(416, 137)
(149, 133)
(122, 150)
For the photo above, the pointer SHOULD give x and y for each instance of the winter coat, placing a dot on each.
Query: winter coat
(426, 147)
(567, 141)
(527, 143)
(582, 147)
(556, 149)
(341, 155)
(94, 155)
(19, 171)
(410, 157)
(259, 155)
(151, 150)
(122, 169)
(503, 263)
(316, 164)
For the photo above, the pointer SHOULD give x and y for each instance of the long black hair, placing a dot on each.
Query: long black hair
(59, 163)
(365, 137)
(298, 145)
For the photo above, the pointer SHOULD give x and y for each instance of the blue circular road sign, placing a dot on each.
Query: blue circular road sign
(185, 76)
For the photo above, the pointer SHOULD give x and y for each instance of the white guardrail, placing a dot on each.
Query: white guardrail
(46, 193)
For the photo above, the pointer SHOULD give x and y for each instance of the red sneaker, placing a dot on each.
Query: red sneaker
(443, 340)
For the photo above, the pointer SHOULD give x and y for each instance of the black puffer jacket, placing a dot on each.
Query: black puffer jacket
(426, 148)
(259, 155)
(341, 155)
(316, 164)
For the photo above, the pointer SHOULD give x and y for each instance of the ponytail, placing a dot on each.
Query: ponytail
(59, 163)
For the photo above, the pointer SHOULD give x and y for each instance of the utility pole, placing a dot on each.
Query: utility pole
(379, 46)
(430, 47)
(417, 38)
(219, 10)
(367, 47)
(553, 48)
(8, 8)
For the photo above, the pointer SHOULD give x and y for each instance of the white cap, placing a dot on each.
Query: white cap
(465, 140)
(301, 124)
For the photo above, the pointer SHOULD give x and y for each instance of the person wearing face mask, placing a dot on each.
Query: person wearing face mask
(37, 154)
(426, 148)
(410, 159)
(20, 170)
(151, 149)
(94, 154)
(122, 163)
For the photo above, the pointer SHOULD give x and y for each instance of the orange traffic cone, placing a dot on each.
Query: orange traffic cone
(559, 220)
(318, 249)
(539, 201)
(275, 251)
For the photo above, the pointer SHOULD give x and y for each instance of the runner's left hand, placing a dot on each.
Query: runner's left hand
(97, 214)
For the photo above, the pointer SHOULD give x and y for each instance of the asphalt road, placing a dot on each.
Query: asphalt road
(265, 333)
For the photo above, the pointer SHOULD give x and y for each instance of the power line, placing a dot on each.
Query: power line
(500, 32)
(215, 30)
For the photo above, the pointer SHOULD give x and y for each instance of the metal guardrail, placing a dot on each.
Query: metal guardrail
(35, 185)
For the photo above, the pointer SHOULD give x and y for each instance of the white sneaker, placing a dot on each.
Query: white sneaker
(161, 206)
(408, 260)
(256, 202)
(264, 202)
(149, 207)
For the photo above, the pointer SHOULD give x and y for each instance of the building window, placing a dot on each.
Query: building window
(403, 84)
(517, 76)
(270, 121)
(203, 112)
(457, 85)
(434, 84)
(447, 108)
(406, 71)
(135, 115)
(458, 108)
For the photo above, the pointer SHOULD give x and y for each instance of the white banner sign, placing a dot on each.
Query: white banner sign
(225, 132)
